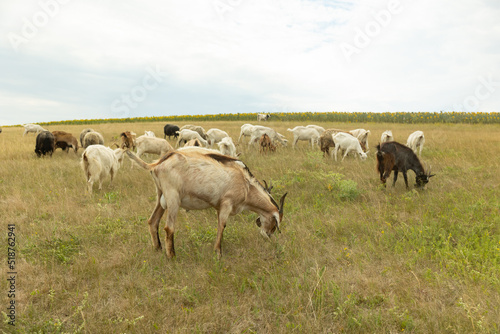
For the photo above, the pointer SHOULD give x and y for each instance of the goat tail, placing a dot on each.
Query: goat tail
(139, 161)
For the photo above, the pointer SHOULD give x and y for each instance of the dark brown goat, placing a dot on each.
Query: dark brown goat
(65, 141)
(393, 156)
(266, 144)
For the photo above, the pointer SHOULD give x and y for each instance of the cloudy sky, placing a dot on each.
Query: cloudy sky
(73, 59)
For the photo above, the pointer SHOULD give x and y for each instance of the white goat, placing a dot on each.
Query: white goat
(186, 135)
(226, 146)
(152, 145)
(149, 134)
(386, 136)
(215, 135)
(416, 141)
(317, 127)
(35, 128)
(201, 131)
(98, 162)
(246, 131)
(257, 131)
(263, 117)
(347, 143)
(362, 135)
(195, 179)
(306, 134)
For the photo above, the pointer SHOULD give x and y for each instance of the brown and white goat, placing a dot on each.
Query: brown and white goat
(265, 144)
(65, 140)
(195, 179)
(393, 156)
(128, 139)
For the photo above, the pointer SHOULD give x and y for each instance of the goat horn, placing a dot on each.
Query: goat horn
(282, 203)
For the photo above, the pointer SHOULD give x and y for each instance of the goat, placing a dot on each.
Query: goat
(257, 131)
(416, 141)
(386, 136)
(263, 117)
(170, 130)
(152, 145)
(393, 156)
(226, 147)
(326, 141)
(35, 128)
(196, 128)
(317, 127)
(265, 144)
(303, 133)
(186, 135)
(362, 135)
(246, 131)
(149, 134)
(215, 135)
(128, 140)
(347, 143)
(83, 133)
(65, 140)
(98, 162)
(92, 138)
(45, 143)
(195, 179)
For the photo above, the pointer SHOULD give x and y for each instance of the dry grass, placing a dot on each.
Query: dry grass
(352, 257)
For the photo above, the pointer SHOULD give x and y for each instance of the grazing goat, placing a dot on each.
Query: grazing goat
(326, 141)
(65, 140)
(152, 145)
(265, 144)
(196, 128)
(195, 179)
(170, 130)
(347, 143)
(215, 135)
(393, 156)
(45, 143)
(128, 140)
(318, 128)
(83, 133)
(98, 162)
(306, 134)
(416, 142)
(257, 131)
(362, 135)
(226, 147)
(92, 138)
(35, 128)
(149, 134)
(386, 136)
(185, 135)
(263, 117)
(246, 131)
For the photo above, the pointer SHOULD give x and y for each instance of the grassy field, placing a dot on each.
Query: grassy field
(352, 257)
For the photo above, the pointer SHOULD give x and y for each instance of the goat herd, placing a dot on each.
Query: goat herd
(196, 177)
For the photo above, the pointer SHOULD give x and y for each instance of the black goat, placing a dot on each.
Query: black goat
(393, 156)
(170, 130)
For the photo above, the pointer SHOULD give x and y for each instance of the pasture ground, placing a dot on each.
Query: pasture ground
(352, 257)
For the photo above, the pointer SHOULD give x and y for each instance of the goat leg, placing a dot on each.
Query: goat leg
(154, 222)
(406, 178)
(222, 215)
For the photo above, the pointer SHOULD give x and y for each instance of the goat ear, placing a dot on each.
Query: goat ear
(282, 203)
(431, 175)
(258, 222)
